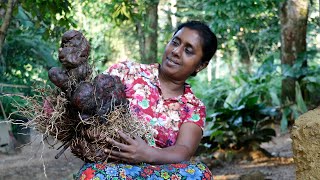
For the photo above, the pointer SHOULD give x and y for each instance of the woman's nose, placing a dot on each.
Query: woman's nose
(176, 51)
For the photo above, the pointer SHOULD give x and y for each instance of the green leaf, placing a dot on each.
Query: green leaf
(274, 97)
(299, 99)
(284, 120)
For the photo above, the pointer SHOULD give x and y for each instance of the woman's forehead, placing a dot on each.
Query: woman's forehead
(189, 36)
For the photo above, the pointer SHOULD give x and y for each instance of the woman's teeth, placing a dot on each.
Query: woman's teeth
(172, 61)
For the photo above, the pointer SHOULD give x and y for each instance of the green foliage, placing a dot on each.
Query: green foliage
(252, 26)
(306, 88)
(212, 94)
(26, 52)
(241, 110)
(27, 56)
(51, 15)
(113, 29)
(291, 111)
(298, 69)
(241, 125)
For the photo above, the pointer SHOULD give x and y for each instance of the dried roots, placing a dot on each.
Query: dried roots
(52, 115)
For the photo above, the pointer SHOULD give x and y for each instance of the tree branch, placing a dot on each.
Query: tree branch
(5, 24)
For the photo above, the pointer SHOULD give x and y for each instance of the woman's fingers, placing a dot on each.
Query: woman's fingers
(121, 157)
(113, 157)
(125, 137)
(130, 151)
(138, 138)
(121, 146)
(118, 155)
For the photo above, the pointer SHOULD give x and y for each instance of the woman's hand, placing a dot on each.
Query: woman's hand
(135, 151)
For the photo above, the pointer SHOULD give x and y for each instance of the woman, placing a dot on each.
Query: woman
(160, 95)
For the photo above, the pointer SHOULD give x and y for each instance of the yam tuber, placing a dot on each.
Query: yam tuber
(59, 78)
(80, 73)
(119, 92)
(104, 84)
(74, 49)
(83, 98)
(109, 92)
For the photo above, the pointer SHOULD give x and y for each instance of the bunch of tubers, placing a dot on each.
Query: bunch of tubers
(90, 102)
(74, 79)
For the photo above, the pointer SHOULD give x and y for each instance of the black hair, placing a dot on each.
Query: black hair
(209, 39)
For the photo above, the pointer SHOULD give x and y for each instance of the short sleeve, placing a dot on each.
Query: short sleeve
(197, 116)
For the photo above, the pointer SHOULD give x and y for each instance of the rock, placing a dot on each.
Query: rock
(305, 136)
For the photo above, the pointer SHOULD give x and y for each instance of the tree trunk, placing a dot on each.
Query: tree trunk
(151, 33)
(245, 56)
(293, 17)
(142, 51)
(4, 28)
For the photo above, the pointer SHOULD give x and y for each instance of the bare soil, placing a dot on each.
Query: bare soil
(37, 162)
(279, 167)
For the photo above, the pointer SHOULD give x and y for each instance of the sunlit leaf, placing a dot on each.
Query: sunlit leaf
(300, 102)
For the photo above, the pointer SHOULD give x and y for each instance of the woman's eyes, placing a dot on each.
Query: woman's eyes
(188, 50)
(175, 42)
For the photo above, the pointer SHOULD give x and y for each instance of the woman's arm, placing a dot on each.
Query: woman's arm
(137, 150)
(187, 143)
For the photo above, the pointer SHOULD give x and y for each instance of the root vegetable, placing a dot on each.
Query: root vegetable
(109, 92)
(104, 84)
(70, 57)
(109, 86)
(74, 49)
(100, 103)
(83, 98)
(119, 92)
(59, 77)
(80, 73)
(88, 152)
(105, 106)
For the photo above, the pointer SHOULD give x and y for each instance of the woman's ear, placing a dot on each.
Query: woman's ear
(201, 66)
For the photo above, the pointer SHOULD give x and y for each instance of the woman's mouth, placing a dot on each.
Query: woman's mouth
(172, 61)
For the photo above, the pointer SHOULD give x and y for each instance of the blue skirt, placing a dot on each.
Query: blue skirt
(187, 170)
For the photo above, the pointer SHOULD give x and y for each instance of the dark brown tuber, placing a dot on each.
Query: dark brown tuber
(119, 92)
(74, 49)
(104, 84)
(59, 77)
(83, 98)
(109, 92)
(80, 73)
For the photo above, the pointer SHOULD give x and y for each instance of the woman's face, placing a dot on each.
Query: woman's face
(182, 55)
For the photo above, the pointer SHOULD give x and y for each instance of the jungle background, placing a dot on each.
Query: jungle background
(264, 75)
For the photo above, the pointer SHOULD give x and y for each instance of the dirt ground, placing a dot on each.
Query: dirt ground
(279, 167)
(37, 162)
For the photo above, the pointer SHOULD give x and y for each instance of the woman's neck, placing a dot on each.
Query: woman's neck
(169, 87)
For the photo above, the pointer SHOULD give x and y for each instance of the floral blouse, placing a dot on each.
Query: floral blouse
(143, 90)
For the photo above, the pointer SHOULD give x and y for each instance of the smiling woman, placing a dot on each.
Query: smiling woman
(159, 95)
(183, 55)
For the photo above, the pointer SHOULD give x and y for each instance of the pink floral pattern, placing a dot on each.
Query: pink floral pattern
(165, 115)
